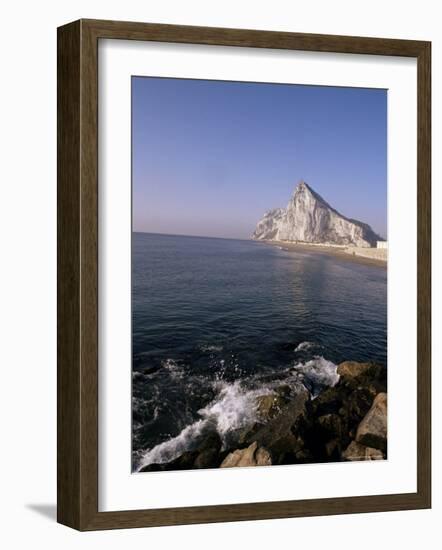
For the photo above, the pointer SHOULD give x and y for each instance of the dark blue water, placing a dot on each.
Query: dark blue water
(216, 320)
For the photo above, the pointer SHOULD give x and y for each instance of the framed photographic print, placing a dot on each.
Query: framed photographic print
(243, 275)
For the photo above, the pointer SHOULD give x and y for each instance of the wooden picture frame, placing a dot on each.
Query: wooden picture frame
(78, 274)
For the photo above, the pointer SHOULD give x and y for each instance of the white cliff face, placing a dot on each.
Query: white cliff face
(309, 218)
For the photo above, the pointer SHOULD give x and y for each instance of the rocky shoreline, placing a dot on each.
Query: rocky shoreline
(345, 422)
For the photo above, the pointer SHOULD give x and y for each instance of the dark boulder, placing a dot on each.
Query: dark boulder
(183, 462)
(269, 406)
(209, 452)
(207, 455)
(333, 418)
(324, 436)
(277, 435)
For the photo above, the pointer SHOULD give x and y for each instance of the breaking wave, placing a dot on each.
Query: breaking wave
(234, 406)
(303, 346)
(210, 348)
(317, 374)
(175, 371)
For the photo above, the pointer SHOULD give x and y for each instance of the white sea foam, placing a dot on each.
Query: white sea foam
(171, 449)
(210, 348)
(318, 373)
(304, 346)
(235, 407)
(175, 371)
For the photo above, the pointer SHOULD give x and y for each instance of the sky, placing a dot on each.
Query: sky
(210, 157)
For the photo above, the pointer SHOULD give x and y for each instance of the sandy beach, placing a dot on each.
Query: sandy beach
(349, 254)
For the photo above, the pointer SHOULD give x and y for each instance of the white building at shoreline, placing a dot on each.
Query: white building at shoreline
(381, 244)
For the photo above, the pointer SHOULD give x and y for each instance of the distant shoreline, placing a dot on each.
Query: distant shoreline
(344, 253)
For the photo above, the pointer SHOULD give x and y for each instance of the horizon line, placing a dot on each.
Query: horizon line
(194, 236)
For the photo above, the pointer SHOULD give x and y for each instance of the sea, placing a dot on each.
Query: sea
(218, 322)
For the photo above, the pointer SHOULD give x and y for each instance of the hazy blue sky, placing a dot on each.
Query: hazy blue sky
(210, 157)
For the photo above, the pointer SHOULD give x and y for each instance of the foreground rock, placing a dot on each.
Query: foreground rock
(345, 422)
(332, 419)
(269, 406)
(206, 455)
(356, 451)
(278, 435)
(350, 370)
(371, 376)
(251, 456)
(372, 431)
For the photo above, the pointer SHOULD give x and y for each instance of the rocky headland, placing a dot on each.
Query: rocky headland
(308, 218)
(345, 422)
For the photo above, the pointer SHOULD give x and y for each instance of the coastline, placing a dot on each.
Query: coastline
(345, 421)
(344, 253)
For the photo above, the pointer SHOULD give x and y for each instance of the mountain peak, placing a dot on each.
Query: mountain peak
(310, 218)
(303, 188)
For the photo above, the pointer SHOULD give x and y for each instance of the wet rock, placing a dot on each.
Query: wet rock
(245, 436)
(357, 405)
(372, 430)
(183, 462)
(286, 391)
(277, 435)
(356, 451)
(333, 450)
(263, 457)
(331, 426)
(251, 456)
(368, 375)
(341, 414)
(207, 455)
(209, 452)
(352, 369)
(324, 436)
(303, 456)
(329, 401)
(333, 418)
(269, 406)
